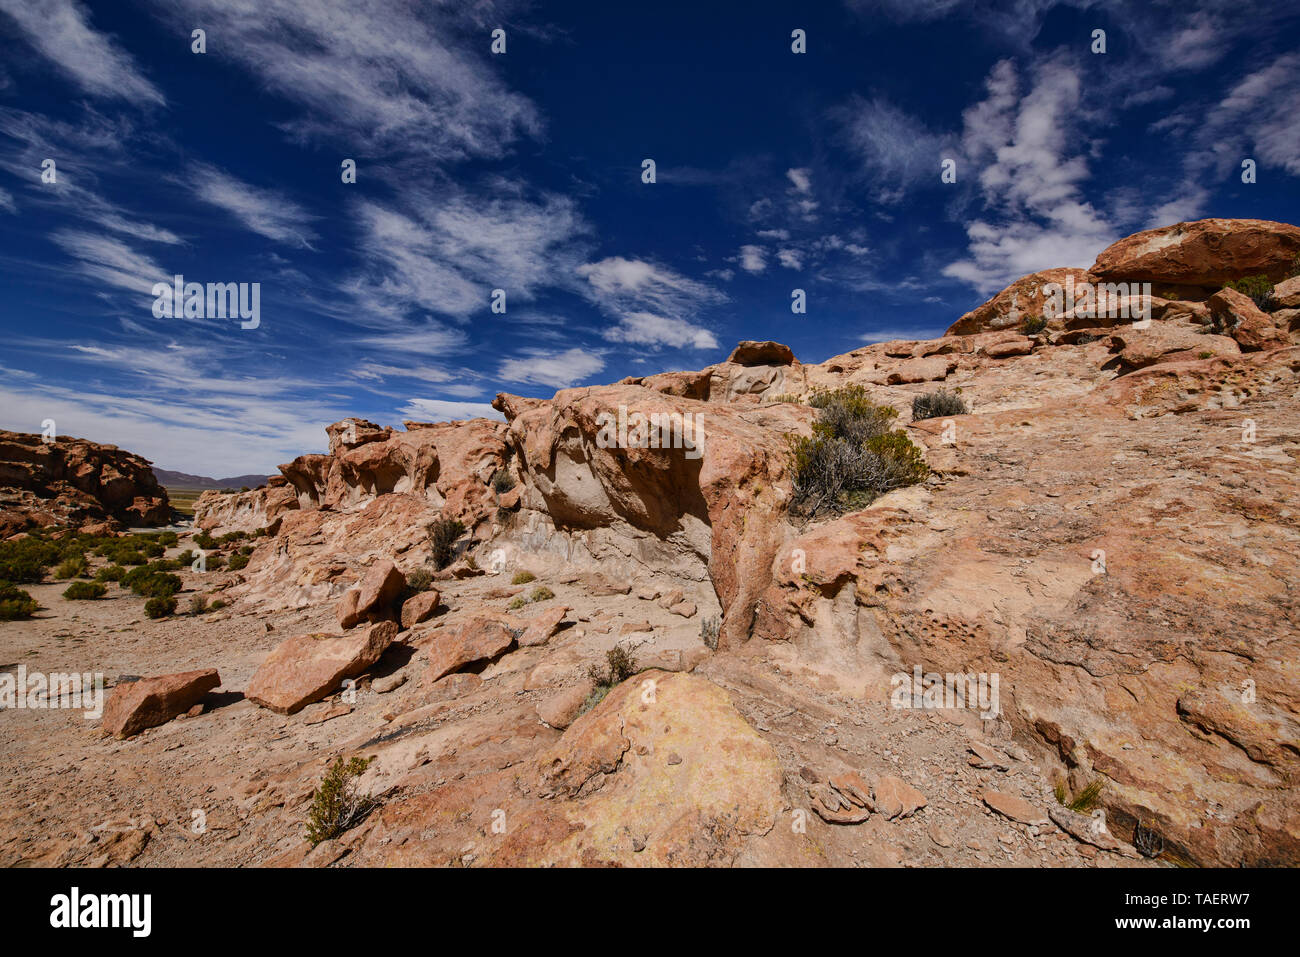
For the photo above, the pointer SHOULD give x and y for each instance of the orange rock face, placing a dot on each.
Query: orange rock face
(137, 705)
(306, 668)
(1209, 252)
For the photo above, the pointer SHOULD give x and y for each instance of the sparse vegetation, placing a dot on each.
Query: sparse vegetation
(522, 578)
(72, 567)
(1034, 325)
(1085, 800)
(1258, 288)
(110, 573)
(932, 405)
(160, 607)
(710, 628)
(443, 535)
(198, 605)
(517, 602)
(541, 593)
(852, 457)
(15, 603)
(502, 482)
(85, 591)
(237, 562)
(1147, 840)
(619, 666)
(418, 580)
(337, 804)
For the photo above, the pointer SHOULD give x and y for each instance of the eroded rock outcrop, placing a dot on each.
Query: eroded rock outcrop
(75, 482)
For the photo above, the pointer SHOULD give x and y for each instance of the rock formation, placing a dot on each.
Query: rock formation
(74, 482)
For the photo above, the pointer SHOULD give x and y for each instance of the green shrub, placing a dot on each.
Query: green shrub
(443, 534)
(936, 404)
(160, 607)
(82, 591)
(237, 562)
(215, 562)
(217, 605)
(517, 602)
(25, 560)
(523, 578)
(186, 558)
(72, 567)
(337, 804)
(155, 585)
(619, 666)
(168, 539)
(851, 458)
(15, 603)
(417, 580)
(502, 482)
(541, 593)
(1258, 288)
(205, 541)
(1034, 325)
(110, 573)
(198, 605)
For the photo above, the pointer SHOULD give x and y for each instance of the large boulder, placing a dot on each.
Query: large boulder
(1247, 323)
(305, 668)
(479, 639)
(149, 702)
(750, 353)
(1208, 252)
(374, 598)
(1020, 301)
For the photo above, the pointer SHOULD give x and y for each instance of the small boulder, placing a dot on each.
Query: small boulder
(1014, 808)
(895, 798)
(539, 629)
(305, 668)
(149, 702)
(561, 709)
(750, 353)
(1248, 324)
(479, 639)
(420, 607)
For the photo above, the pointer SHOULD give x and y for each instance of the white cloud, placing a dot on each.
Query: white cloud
(648, 329)
(801, 178)
(382, 76)
(558, 370)
(753, 259)
(442, 410)
(790, 258)
(110, 261)
(263, 211)
(7, 201)
(61, 31)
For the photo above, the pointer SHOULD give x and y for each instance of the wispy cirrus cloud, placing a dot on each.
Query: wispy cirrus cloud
(266, 212)
(556, 369)
(61, 31)
(652, 304)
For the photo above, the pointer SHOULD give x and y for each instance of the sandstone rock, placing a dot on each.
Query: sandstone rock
(1010, 308)
(1252, 328)
(561, 708)
(478, 639)
(454, 686)
(1208, 252)
(1086, 828)
(347, 611)
(921, 370)
(751, 353)
(896, 798)
(982, 756)
(420, 607)
(1286, 294)
(684, 608)
(305, 668)
(1010, 806)
(149, 702)
(1168, 342)
(539, 629)
(388, 683)
(1009, 346)
(379, 589)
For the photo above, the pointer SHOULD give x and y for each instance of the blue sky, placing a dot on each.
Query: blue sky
(523, 172)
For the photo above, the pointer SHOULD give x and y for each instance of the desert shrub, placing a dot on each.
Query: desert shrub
(619, 666)
(25, 560)
(156, 585)
(152, 549)
(217, 605)
(237, 562)
(443, 534)
(72, 567)
(198, 605)
(932, 405)
(1258, 288)
(84, 591)
(517, 602)
(1084, 801)
(132, 557)
(502, 482)
(541, 593)
(205, 541)
(522, 578)
(852, 457)
(418, 580)
(160, 606)
(110, 573)
(1034, 325)
(337, 804)
(215, 562)
(168, 539)
(15, 603)
(186, 558)
(230, 537)
(710, 628)
(1147, 840)
(1205, 355)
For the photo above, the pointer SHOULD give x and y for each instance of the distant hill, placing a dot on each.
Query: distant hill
(170, 479)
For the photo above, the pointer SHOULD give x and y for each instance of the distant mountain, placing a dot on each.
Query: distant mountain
(170, 479)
